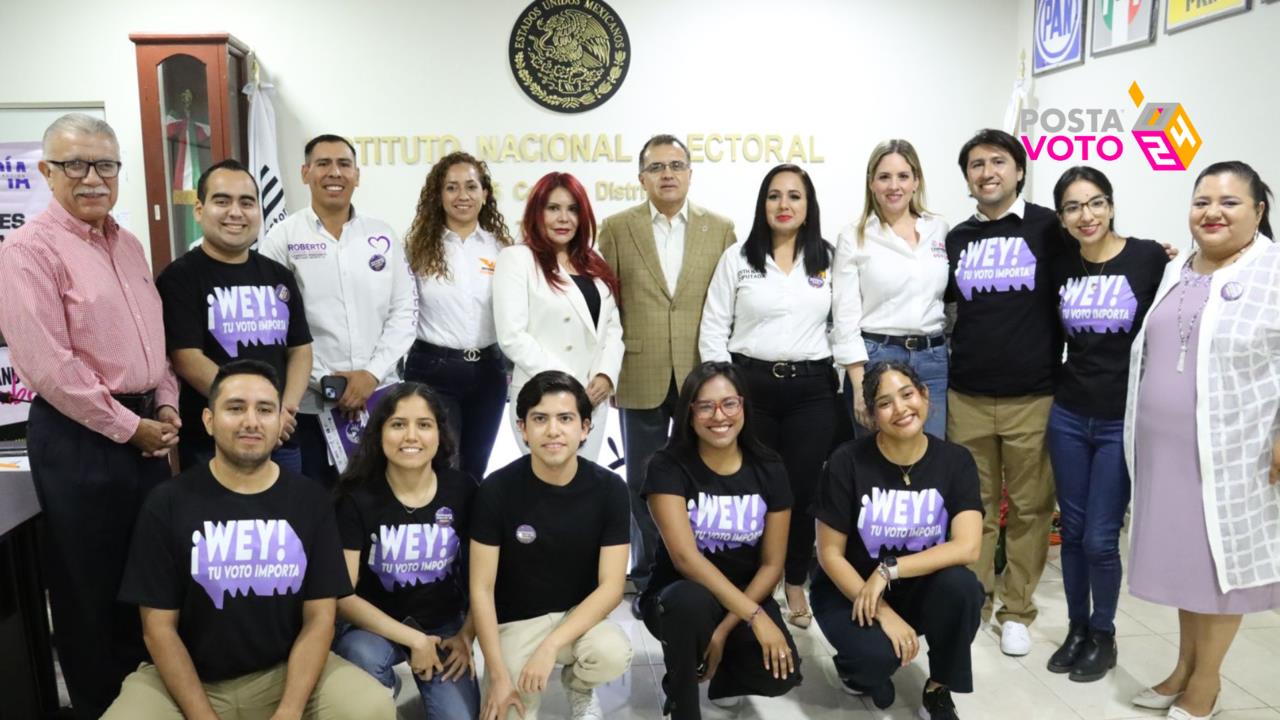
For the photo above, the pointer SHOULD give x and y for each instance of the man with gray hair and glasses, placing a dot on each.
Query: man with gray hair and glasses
(85, 331)
(664, 252)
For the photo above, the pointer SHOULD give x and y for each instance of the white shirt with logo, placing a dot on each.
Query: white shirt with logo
(358, 292)
(457, 311)
(772, 316)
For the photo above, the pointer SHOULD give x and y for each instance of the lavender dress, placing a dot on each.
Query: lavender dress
(1170, 562)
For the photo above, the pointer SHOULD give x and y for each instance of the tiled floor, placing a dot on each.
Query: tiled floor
(1007, 688)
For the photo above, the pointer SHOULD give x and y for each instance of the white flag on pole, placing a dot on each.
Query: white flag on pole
(264, 159)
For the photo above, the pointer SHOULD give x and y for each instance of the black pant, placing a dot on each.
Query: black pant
(315, 451)
(682, 616)
(944, 607)
(474, 395)
(796, 416)
(90, 489)
(644, 432)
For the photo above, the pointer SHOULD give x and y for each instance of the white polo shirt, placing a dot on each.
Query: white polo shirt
(885, 286)
(457, 311)
(358, 292)
(770, 316)
(668, 237)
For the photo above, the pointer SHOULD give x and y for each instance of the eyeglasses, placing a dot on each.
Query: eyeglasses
(730, 406)
(1096, 206)
(675, 166)
(76, 169)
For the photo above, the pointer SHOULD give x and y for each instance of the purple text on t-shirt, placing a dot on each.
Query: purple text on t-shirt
(248, 314)
(909, 519)
(722, 522)
(237, 556)
(412, 553)
(1098, 303)
(995, 264)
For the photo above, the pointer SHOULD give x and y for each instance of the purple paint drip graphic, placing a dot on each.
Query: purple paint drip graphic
(237, 556)
(725, 522)
(247, 315)
(412, 554)
(906, 520)
(996, 264)
(1098, 304)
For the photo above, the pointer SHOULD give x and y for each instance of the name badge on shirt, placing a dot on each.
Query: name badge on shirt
(487, 266)
(939, 250)
(307, 250)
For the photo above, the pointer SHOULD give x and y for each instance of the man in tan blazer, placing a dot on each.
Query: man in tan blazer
(664, 252)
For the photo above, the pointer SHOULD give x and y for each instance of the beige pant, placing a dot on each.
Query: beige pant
(603, 653)
(343, 692)
(1006, 436)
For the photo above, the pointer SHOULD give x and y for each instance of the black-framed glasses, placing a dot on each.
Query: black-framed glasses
(730, 406)
(76, 169)
(1096, 205)
(675, 166)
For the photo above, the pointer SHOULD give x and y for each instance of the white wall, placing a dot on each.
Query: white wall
(849, 73)
(1224, 73)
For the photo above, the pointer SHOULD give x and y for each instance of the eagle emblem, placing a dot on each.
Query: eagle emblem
(569, 55)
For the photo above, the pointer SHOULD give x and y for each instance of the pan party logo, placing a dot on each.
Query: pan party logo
(569, 55)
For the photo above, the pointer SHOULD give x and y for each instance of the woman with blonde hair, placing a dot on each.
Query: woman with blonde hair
(890, 271)
(452, 248)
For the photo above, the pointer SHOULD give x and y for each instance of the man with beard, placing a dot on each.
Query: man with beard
(236, 568)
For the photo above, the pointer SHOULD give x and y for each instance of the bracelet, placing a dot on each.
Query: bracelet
(885, 573)
(751, 618)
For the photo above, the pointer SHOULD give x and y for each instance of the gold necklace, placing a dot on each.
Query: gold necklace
(906, 471)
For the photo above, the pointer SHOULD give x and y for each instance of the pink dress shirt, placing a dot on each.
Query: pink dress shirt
(83, 319)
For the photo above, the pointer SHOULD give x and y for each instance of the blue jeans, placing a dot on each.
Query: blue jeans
(930, 364)
(1093, 491)
(378, 656)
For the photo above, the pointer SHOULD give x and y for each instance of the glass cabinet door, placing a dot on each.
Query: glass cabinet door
(184, 118)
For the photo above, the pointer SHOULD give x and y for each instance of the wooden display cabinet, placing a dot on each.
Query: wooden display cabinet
(193, 115)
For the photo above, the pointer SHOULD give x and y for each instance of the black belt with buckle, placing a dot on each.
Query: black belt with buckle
(783, 369)
(141, 404)
(910, 342)
(469, 355)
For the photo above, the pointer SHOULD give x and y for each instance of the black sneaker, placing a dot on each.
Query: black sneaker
(936, 705)
(884, 695)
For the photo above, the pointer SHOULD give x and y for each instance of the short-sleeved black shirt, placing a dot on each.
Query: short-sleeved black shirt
(236, 567)
(229, 311)
(1102, 307)
(862, 495)
(726, 512)
(549, 537)
(411, 563)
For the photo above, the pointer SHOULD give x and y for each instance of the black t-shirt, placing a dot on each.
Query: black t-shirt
(549, 537)
(862, 495)
(411, 563)
(236, 567)
(1102, 307)
(1007, 340)
(229, 311)
(726, 512)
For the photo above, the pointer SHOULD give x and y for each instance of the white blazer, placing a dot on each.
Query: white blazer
(541, 327)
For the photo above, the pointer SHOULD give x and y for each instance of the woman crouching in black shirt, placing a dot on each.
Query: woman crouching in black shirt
(722, 503)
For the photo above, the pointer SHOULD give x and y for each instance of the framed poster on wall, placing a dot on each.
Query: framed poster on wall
(1122, 24)
(1058, 40)
(1183, 15)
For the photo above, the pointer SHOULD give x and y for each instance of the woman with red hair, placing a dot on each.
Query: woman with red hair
(555, 299)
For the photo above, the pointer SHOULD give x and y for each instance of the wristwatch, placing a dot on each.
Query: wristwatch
(890, 565)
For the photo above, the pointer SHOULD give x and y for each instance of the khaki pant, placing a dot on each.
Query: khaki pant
(603, 653)
(1006, 436)
(343, 692)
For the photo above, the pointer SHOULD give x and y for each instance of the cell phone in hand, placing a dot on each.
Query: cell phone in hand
(332, 387)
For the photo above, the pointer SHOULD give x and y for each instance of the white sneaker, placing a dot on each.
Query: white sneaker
(1015, 640)
(727, 703)
(584, 705)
